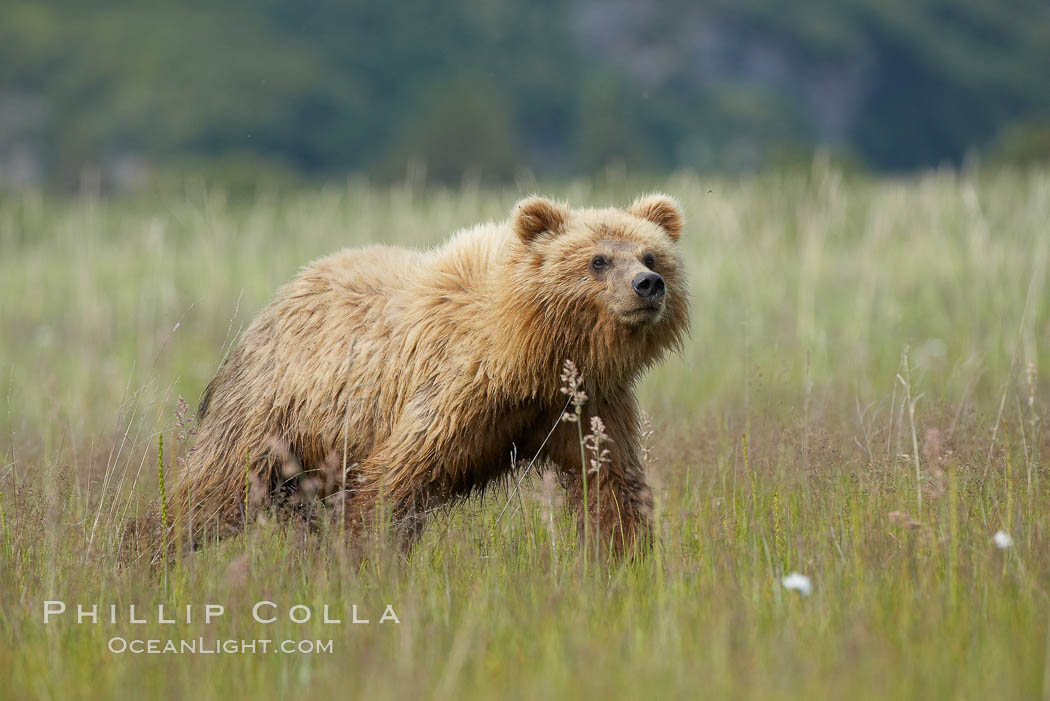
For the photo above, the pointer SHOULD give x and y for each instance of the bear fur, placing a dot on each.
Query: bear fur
(406, 378)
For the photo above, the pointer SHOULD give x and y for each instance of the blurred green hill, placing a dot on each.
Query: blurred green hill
(483, 89)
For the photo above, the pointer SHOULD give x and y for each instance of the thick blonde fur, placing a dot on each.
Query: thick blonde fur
(431, 367)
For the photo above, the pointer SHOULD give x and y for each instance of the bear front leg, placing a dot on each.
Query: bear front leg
(619, 500)
(396, 485)
(382, 499)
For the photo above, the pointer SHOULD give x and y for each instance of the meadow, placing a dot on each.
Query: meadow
(862, 400)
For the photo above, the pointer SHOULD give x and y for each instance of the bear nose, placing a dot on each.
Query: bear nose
(648, 285)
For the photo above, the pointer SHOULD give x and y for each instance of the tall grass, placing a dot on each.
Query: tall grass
(789, 436)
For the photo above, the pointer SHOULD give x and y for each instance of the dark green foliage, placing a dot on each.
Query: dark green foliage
(469, 87)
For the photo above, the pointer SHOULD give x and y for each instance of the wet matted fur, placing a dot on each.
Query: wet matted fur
(406, 377)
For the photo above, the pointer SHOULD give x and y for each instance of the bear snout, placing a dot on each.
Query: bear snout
(648, 285)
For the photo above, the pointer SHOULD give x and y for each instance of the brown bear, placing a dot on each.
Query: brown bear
(407, 378)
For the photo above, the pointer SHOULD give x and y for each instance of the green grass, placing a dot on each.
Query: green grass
(782, 442)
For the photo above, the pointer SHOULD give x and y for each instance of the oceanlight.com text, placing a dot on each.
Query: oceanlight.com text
(201, 646)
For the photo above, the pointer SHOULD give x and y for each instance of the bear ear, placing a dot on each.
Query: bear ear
(661, 210)
(534, 215)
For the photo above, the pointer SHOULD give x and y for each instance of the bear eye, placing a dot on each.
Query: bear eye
(649, 261)
(599, 262)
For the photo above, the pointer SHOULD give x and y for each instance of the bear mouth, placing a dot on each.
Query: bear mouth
(643, 314)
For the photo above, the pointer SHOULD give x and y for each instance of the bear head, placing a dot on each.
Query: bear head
(608, 282)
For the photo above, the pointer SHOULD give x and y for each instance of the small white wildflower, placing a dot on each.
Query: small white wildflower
(798, 582)
(1002, 540)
